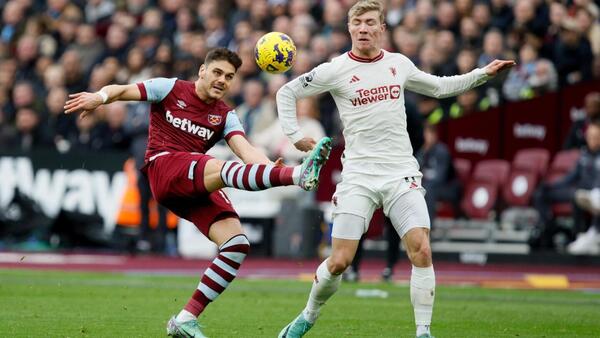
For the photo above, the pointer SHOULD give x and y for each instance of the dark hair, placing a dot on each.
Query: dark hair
(223, 54)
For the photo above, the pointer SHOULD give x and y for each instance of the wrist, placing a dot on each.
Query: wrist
(103, 95)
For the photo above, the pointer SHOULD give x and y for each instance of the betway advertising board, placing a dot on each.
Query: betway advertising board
(476, 136)
(89, 183)
(531, 124)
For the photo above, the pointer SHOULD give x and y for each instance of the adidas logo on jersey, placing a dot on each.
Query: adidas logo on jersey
(189, 126)
(354, 79)
(377, 94)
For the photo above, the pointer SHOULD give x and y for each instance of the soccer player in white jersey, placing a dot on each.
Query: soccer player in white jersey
(367, 84)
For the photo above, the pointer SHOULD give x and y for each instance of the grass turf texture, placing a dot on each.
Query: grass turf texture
(67, 304)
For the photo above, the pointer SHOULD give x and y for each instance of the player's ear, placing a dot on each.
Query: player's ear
(201, 71)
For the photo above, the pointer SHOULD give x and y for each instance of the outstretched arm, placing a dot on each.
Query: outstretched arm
(440, 87)
(87, 102)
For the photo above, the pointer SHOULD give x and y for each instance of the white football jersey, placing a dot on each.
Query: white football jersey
(369, 94)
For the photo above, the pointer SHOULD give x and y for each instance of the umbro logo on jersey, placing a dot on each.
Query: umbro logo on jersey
(393, 70)
(354, 79)
(181, 104)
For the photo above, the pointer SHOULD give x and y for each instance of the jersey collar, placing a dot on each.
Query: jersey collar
(365, 60)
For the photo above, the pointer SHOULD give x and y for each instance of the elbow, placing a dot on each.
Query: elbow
(284, 93)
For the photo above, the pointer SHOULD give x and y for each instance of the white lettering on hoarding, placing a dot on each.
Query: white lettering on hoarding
(77, 190)
(471, 145)
(528, 130)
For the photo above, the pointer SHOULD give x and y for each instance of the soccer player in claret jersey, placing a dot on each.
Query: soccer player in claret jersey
(367, 84)
(187, 119)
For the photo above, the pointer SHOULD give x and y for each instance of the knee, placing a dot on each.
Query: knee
(338, 262)
(421, 254)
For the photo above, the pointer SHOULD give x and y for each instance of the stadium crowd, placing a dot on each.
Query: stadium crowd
(49, 49)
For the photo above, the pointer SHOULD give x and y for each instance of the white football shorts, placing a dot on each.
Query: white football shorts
(402, 199)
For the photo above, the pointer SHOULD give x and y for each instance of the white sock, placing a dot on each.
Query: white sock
(185, 316)
(296, 174)
(422, 294)
(324, 286)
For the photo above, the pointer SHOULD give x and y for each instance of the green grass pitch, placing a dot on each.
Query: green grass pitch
(67, 304)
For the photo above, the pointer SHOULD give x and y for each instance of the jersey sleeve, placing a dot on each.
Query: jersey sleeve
(446, 86)
(233, 126)
(319, 80)
(156, 89)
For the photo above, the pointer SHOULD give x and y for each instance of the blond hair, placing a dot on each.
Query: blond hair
(363, 6)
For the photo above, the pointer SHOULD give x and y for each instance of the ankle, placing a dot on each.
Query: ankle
(185, 316)
(311, 316)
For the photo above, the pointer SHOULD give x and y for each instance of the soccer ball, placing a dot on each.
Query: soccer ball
(275, 52)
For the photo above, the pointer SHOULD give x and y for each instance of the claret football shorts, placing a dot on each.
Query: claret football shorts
(177, 182)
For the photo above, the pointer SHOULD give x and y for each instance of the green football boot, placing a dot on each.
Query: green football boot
(311, 166)
(296, 328)
(189, 329)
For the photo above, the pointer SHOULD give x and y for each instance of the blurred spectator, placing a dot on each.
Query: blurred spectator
(277, 144)
(470, 33)
(545, 78)
(66, 28)
(135, 70)
(516, 87)
(116, 43)
(430, 109)
(58, 124)
(482, 15)
(112, 131)
(88, 136)
(12, 21)
(74, 76)
(467, 103)
(445, 45)
(591, 112)
(54, 77)
(26, 56)
(558, 13)
(98, 10)
(88, 46)
(446, 17)
(572, 54)
(29, 134)
(439, 176)
(585, 175)
(395, 12)
(466, 61)
(588, 242)
(502, 15)
(406, 43)
(255, 113)
(587, 18)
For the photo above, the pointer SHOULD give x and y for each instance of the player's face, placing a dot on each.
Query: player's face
(215, 78)
(366, 31)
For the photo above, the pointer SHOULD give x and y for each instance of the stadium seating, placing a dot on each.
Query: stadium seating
(463, 170)
(481, 193)
(562, 163)
(528, 167)
(534, 160)
(493, 171)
